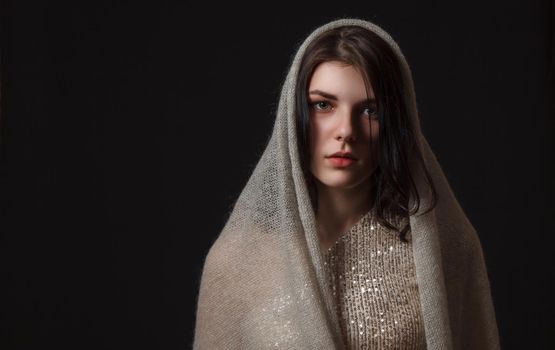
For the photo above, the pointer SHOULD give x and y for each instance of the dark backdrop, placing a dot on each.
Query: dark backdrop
(129, 128)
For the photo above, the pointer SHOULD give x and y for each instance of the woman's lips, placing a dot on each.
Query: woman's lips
(341, 159)
(340, 162)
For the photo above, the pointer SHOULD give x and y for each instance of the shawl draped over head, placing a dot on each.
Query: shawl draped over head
(263, 284)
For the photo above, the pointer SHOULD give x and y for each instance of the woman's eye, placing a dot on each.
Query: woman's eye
(370, 111)
(321, 106)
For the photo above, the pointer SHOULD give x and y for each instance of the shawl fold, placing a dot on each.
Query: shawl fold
(263, 283)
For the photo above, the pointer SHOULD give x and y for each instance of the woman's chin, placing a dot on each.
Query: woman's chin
(343, 182)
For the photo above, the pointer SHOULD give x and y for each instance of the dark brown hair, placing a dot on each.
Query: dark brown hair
(380, 68)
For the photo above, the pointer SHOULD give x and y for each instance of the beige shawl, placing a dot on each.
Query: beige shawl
(263, 283)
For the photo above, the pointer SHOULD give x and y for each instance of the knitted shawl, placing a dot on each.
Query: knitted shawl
(263, 283)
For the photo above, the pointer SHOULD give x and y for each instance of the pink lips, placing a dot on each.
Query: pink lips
(340, 162)
(341, 159)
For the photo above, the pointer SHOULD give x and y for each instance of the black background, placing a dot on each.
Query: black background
(128, 129)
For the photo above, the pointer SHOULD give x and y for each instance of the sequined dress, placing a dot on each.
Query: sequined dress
(372, 276)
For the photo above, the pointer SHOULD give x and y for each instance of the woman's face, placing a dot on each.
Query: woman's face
(343, 118)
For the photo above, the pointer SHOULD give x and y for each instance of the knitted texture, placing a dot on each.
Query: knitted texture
(264, 283)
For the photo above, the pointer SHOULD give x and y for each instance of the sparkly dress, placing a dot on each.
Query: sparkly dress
(372, 276)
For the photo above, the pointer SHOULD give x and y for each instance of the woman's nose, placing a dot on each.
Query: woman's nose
(345, 129)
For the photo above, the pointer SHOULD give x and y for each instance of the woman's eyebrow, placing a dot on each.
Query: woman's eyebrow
(333, 97)
(323, 94)
(369, 100)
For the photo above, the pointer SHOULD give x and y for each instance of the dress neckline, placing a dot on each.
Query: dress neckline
(368, 216)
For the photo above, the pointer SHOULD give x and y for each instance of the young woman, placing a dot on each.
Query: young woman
(347, 234)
